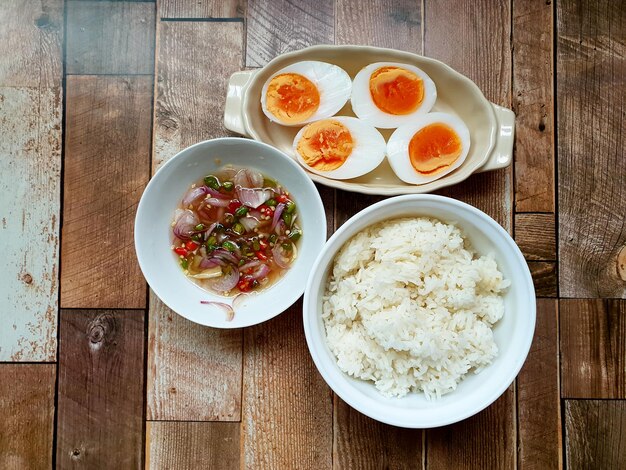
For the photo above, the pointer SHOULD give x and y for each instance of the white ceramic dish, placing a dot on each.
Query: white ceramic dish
(513, 333)
(491, 126)
(153, 232)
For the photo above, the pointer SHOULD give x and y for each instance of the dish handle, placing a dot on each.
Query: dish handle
(233, 111)
(502, 154)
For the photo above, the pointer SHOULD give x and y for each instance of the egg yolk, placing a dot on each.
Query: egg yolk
(292, 98)
(325, 145)
(395, 90)
(434, 148)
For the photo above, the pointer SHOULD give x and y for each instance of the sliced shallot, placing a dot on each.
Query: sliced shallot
(230, 313)
(253, 197)
(277, 213)
(228, 279)
(248, 178)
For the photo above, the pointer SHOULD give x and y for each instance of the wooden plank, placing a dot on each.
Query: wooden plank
(201, 8)
(191, 84)
(591, 90)
(545, 278)
(180, 445)
(538, 395)
(593, 348)
(287, 407)
(484, 30)
(194, 372)
(486, 440)
(27, 410)
(595, 433)
(361, 442)
(533, 105)
(100, 390)
(535, 234)
(396, 24)
(286, 25)
(110, 37)
(31, 34)
(107, 165)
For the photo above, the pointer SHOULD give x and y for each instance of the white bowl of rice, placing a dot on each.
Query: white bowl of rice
(419, 311)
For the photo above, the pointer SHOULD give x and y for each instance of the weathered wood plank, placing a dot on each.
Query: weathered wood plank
(110, 37)
(390, 23)
(486, 440)
(361, 442)
(27, 410)
(538, 395)
(533, 106)
(100, 390)
(194, 372)
(31, 34)
(593, 348)
(535, 234)
(484, 30)
(286, 25)
(591, 88)
(545, 278)
(107, 165)
(287, 408)
(180, 445)
(191, 84)
(201, 8)
(595, 433)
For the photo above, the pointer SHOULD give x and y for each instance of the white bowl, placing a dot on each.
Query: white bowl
(513, 333)
(153, 232)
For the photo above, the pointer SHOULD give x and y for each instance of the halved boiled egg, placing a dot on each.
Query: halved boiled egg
(389, 94)
(427, 149)
(340, 147)
(305, 92)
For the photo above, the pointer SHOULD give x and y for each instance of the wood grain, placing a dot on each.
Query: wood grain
(100, 390)
(180, 445)
(591, 85)
(201, 8)
(286, 25)
(533, 105)
(27, 410)
(194, 372)
(486, 440)
(191, 84)
(593, 348)
(483, 28)
(538, 395)
(31, 34)
(545, 278)
(110, 37)
(395, 24)
(360, 442)
(107, 165)
(535, 234)
(287, 407)
(595, 433)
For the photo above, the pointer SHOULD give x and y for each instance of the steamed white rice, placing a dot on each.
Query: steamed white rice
(410, 306)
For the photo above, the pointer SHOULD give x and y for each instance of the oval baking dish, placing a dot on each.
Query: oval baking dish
(491, 126)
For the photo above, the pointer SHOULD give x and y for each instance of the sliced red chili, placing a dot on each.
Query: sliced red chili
(181, 250)
(263, 244)
(234, 205)
(282, 198)
(191, 245)
(261, 256)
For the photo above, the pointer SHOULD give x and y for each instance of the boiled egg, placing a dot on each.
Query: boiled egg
(340, 147)
(428, 148)
(389, 94)
(304, 92)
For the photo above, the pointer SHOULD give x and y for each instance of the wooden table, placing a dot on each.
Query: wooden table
(97, 373)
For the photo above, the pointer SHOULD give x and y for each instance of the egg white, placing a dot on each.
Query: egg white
(364, 107)
(368, 151)
(332, 82)
(398, 147)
